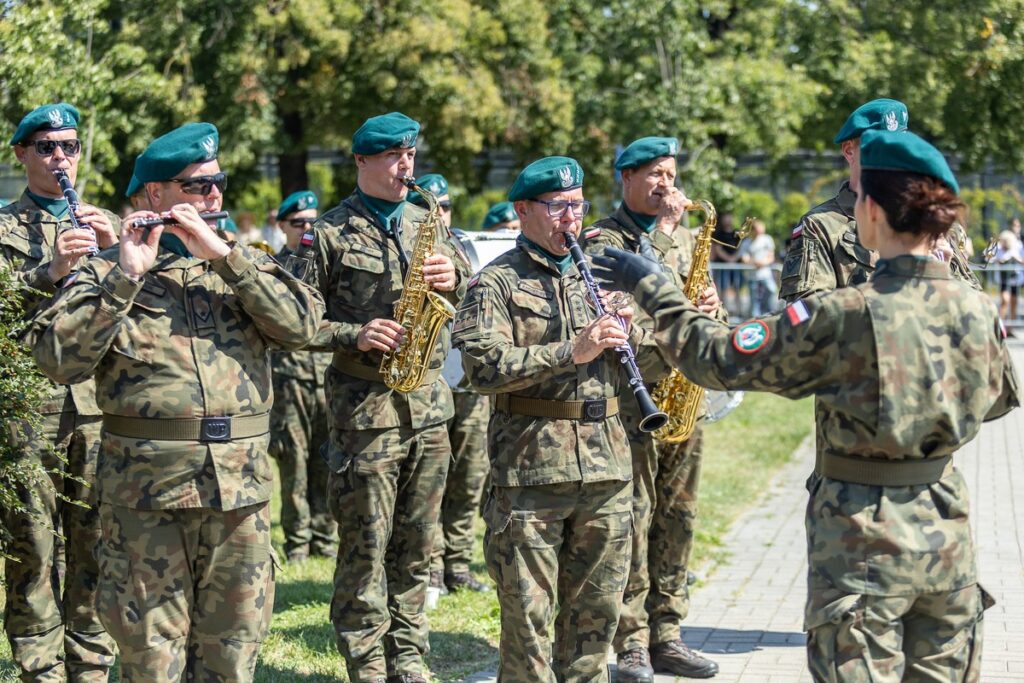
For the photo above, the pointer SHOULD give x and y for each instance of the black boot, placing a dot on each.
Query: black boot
(460, 580)
(634, 666)
(676, 658)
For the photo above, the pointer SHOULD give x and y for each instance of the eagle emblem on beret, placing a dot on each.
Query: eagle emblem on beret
(672, 148)
(891, 122)
(565, 176)
(209, 146)
(56, 118)
(302, 203)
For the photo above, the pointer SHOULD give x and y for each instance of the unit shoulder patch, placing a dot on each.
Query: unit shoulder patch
(751, 336)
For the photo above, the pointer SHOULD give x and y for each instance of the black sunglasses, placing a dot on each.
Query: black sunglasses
(202, 184)
(446, 205)
(45, 148)
(301, 222)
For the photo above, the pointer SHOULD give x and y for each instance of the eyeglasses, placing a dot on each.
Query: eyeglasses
(447, 206)
(45, 148)
(202, 184)
(558, 208)
(301, 222)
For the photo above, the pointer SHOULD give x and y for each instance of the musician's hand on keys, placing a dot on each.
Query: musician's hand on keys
(622, 270)
(673, 205)
(602, 333)
(439, 273)
(197, 235)
(618, 304)
(380, 334)
(708, 301)
(138, 250)
(70, 246)
(92, 217)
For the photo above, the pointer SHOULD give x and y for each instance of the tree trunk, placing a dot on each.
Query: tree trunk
(291, 165)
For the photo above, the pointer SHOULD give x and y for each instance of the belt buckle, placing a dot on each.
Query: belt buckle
(594, 410)
(215, 429)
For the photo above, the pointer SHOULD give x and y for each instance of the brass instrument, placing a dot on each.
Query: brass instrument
(675, 395)
(263, 246)
(420, 311)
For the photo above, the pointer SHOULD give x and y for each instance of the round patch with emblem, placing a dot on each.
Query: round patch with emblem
(750, 336)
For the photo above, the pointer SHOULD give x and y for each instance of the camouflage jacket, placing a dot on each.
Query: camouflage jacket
(348, 257)
(308, 366)
(27, 238)
(189, 340)
(905, 366)
(515, 330)
(825, 254)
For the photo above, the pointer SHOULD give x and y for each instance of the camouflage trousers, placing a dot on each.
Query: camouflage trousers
(298, 427)
(665, 479)
(187, 593)
(464, 487)
(915, 637)
(40, 619)
(558, 551)
(385, 494)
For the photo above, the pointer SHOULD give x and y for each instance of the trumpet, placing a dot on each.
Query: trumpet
(167, 219)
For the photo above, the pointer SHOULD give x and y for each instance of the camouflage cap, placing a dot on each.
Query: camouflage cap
(171, 153)
(881, 114)
(550, 174)
(384, 132)
(297, 201)
(434, 183)
(904, 151)
(502, 212)
(57, 116)
(641, 151)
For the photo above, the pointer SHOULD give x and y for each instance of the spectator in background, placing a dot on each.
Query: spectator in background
(1009, 258)
(759, 251)
(724, 250)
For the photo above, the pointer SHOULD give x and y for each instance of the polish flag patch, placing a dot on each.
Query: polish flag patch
(591, 233)
(797, 231)
(70, 280)
(797, 313)
(475, 279)
(307, 239)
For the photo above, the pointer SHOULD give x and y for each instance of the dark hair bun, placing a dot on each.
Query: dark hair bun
(913, 202)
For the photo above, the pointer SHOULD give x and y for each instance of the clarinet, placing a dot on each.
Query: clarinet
(653, 419)
(72, 198)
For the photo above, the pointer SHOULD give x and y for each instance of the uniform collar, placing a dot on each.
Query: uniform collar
(30, 211)
(544, 261)
(909, 265)
(846, 198)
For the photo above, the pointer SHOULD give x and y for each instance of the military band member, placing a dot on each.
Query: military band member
(176, 326)
(906, 367)
(665, 476)
(501, 216)
(298, 420)
(559, 506)
(467, 432)
(53, 633)
(389, 451)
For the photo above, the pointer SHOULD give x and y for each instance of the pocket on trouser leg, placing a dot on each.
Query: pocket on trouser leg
(836, 646)
(975, 638)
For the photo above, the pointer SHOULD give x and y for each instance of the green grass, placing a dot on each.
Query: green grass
(741, 453)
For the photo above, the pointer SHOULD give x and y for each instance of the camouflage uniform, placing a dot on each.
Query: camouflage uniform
(183, 379)
(558, 512)
(906, 367)
(298, 429)
(38, 618)
(464, 486)
(388, 451)
(665, 475)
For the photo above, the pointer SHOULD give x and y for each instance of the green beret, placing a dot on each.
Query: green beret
(904, 151)
(297, 201)
(434, 183)
(641, 151)
(502, 212)
(550, 174)
(880, 114)
(227, 225)
(384, 132)
(171, 153)
(49, 117)
(134, 185)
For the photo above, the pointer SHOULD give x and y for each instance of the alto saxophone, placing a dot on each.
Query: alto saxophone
(675, 395)
(422, 313)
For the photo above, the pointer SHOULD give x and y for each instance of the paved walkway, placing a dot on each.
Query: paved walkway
(748, 614)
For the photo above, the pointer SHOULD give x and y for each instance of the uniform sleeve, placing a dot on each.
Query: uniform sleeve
(492, 361)
(1009, 396)
(463, 268)
(285, 311)
(310, 263)
(807, 268)
(792, 354)
(72, 336)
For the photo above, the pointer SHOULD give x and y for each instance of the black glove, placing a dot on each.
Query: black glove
(619, 269)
